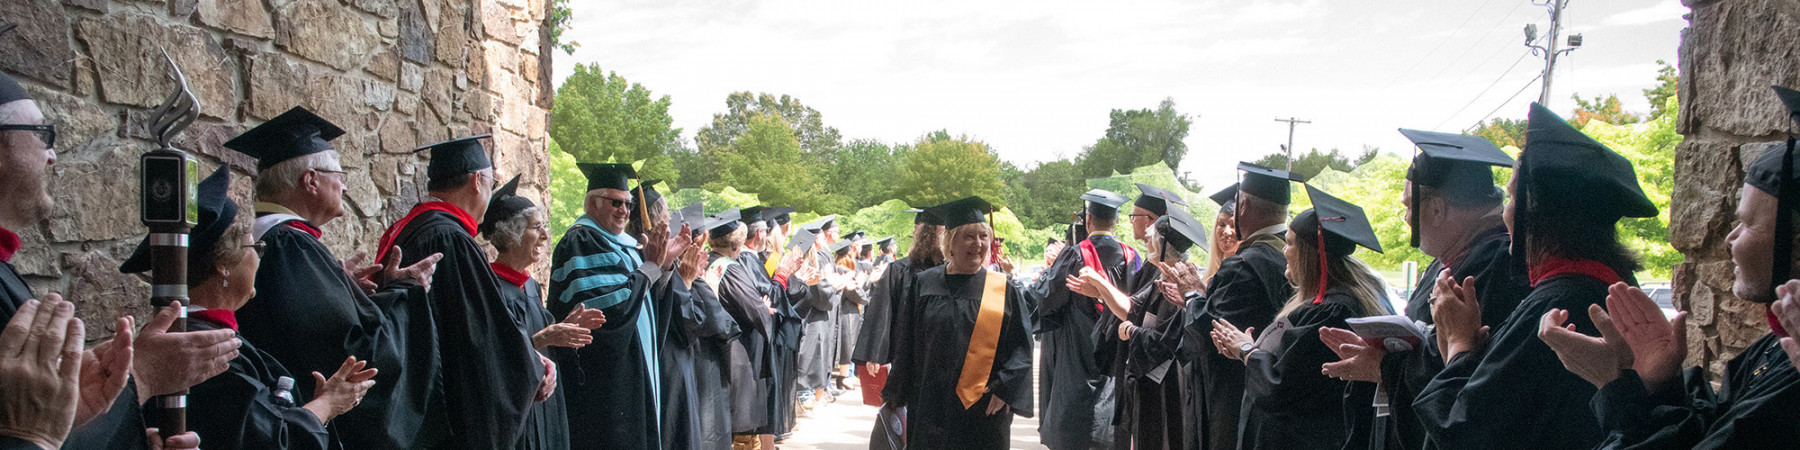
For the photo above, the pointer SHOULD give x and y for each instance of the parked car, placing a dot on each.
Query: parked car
(1663, 295)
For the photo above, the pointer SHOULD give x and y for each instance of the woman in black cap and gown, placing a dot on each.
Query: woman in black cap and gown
(1288, 402)
(1504, 388)
(967, 367)
(254, 403)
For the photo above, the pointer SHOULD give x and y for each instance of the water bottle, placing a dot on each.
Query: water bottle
(284, 391)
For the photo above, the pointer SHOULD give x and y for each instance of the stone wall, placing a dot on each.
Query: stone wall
(394, 73)
(1731, 52)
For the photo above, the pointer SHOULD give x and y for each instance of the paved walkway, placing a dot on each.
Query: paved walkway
(845, 425)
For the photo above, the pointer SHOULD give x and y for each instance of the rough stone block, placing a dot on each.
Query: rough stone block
(249, 17)
(91, 5)
(497, 23)
(36, 257)
(39, 47)
(274, 83)
(1703, 205)
(397, 136)
(101, 294)
(127, 52)
(418, 42)
(383, 8)
(91, 203)
(78, 121)
(327, 32)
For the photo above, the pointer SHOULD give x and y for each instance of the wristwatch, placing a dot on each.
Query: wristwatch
(1244, 350)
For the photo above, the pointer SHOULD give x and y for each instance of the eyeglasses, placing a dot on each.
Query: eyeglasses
(46, 133)
(1147, 216)
(616, 203)
(260, 247)
(339, 172)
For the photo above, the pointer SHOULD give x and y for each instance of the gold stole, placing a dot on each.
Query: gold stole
(979, 360)
(774, 260)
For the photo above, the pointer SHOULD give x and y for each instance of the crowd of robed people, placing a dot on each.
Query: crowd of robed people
(674, 329)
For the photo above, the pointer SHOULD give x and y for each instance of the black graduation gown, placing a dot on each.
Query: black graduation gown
(1756, 406)
(1077, 391)
(751, 376)
(695, 376)
(817, 305)
(788, 324)
(1499, 285)
(940, 318)
(777, 397)
(1249, 289)
(611, 388)
(1114, 358)
(1155, 412)
(547, 423)
(490, 373)
(309, 315)
(237, 409)
(13, 290)
(874, 342)
(1515, 393)
(1288, 402)
(850, 315)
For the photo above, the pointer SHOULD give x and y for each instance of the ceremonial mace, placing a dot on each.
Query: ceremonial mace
(168, 207)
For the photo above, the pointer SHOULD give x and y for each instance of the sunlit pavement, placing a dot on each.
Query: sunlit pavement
(846, 424)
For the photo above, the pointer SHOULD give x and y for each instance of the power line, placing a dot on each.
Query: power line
(1485, 90)
(1440, 43)
(1477, 43)
(1509, 100)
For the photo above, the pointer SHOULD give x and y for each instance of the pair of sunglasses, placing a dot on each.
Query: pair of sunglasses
(46, 133)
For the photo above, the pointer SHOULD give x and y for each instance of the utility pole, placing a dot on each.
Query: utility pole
(1290, 145)
(1549, 50)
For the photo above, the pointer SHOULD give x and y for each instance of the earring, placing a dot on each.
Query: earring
(227, 282)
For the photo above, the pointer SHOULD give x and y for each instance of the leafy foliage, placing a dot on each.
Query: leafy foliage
(1503, 132)
(601, 116)
(1137, 138)
(937, 170)
(766, 160)
(1311, 163)
(1604, 109)
(1666, 88)
(1651, 148)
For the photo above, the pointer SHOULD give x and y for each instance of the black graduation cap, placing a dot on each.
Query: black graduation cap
(1562, 171)
(840, 246)
(753, 214)
(293, 134)
(1268, 184)
(802, 240)
(884, 241)
(1345, 224)
(1098, 198)
(924, 217)
(505, 204)
(217, 212)
(821, 224)
(1773, 173)
(643, 196)
(1337, 227)
(779, 215)
(1156, 200)
(1227, 199)
(1453, 162)
(694, 215)
(607, 175)
(724, 223)
(10, 90)
(456, 157)
(965, 211)
(855, 235)
(1189, 232)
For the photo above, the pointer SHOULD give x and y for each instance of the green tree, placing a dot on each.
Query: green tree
(601, 116)
(1650, 146)
(766, 160)
(568, 189)
(1503, 132)
(855, 175)
(937, 171)
(1136, 138)
(1604, 109)
(1311, 163)
(1666, 88)
(808, 126)
(1046, 194)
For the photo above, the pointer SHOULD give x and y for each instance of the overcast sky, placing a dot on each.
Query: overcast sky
(1035, 79)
